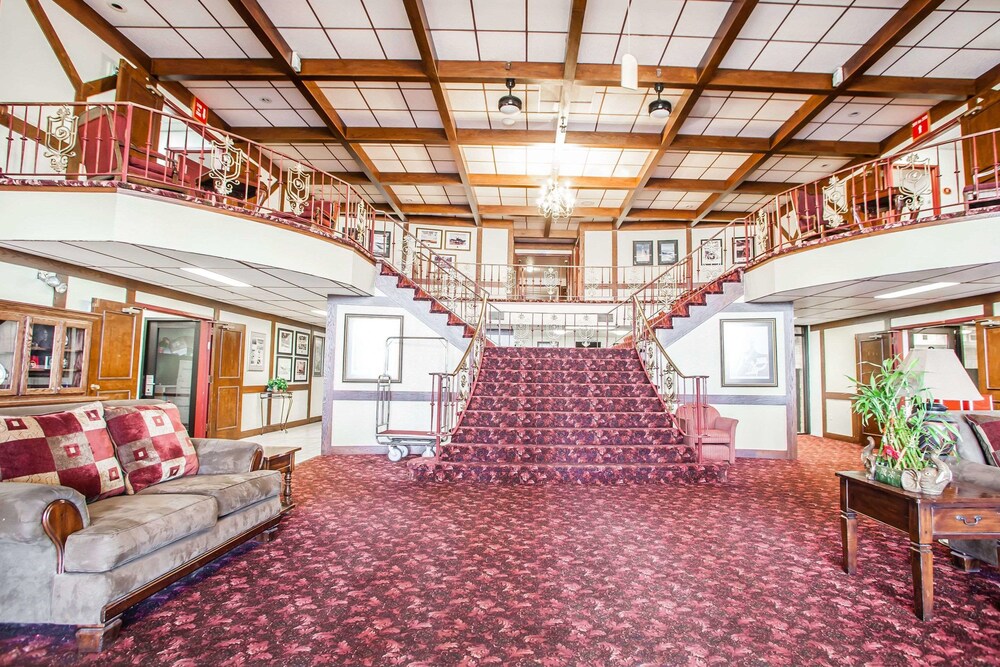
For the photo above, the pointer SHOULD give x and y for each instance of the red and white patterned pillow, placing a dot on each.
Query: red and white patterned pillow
(987, 430)
(70, 448)
(152, 444)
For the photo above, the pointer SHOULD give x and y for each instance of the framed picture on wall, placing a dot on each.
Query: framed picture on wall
(742, 250)
(284, 341)
(444, 260)
(257, 351)
(666, 252)
(711, 252)
(381, 243)
(283, 368)
(429, 237)
(318, 355)
(366, 353)
(301, 373)
(642, 253)
(749, 353)
(301, 344)
(458, 240)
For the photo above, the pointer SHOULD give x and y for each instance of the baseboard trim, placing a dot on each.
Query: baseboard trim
(274, 428)
(351, 450)
(763, 454)
(842, 438)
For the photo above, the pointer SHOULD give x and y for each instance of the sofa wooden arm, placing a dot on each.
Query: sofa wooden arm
(60, 520)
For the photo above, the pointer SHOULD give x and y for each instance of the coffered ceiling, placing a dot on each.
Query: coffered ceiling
(400, 96)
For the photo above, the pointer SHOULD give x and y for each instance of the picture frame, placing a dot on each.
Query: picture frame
(257, 351)
(365, 338)
(442, 259)
(318, 355)
(301, 344)
(381, 243)
(301, 370)
(666, 252)
(284, 341)
(429, 237)
(742, 250)
(283, 368)
(749, 353)
(642, 253)
(458, 240)
(711, 252)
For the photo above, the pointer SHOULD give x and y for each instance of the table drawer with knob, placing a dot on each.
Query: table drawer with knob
(972, 520)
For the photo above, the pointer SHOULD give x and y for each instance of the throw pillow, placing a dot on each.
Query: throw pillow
(152, 444)
(987, 430)
(70, 448)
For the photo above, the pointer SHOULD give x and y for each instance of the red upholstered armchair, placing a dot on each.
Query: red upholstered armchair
(104, 146)
(719, 441)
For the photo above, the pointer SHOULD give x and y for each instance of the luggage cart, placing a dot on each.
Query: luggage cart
(401, 441)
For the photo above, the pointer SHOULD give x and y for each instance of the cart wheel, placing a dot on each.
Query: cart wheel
(395, 453)
(405, 450)
(428, 452)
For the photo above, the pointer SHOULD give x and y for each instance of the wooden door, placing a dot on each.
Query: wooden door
(988, 338)
(872, 350)
(226, 382)
(114, 351)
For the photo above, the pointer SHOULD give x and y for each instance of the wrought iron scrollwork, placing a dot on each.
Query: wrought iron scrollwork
(297, 188)
(227, 165)
(61, 130)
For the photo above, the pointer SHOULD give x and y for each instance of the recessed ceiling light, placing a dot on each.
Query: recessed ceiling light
(508, 120)
(913, 290)
(211, 275)
(118, 7)
(854, 114)
(319, 312)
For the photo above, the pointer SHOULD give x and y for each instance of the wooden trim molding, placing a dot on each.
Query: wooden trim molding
(61, 519)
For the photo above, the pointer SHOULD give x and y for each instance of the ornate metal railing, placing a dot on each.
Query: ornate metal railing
(563, 282)
(552, 328)
(952, 177)
(85, 144)
(673, 387)
(450, 392)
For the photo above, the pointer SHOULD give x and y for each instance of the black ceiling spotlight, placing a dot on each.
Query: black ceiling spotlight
(510, 103)
(659, 108)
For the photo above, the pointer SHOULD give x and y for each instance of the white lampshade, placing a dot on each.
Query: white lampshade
(944, 376)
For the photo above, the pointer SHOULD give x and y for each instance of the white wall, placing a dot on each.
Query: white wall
(31, 72)
(496, 243)
(815, 385)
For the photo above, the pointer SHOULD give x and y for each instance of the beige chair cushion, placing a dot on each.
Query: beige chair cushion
(232, 491)
(126, 527)
(715, 435)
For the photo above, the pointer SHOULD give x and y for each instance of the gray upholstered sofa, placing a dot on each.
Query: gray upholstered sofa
(973, 466)
(66, 562)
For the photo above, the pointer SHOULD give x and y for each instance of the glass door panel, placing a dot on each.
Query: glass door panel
(170, 365)
(41, 352)
(74, 357)
(10, 329)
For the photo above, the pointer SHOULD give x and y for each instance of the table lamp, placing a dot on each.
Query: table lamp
(944, 376)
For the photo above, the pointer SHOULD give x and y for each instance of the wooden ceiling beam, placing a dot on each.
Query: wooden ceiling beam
(518, 181)
(650, 214)
(532, 211)
(217, 69)
(698, 185)
(397, 135)
(418, 178)
(436, 209)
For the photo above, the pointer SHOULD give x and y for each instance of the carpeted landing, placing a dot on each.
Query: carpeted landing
(375, 569)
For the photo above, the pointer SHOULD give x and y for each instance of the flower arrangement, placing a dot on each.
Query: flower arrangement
(912, 442)
(277, 384)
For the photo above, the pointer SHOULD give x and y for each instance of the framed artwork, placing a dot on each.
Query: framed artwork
(366, 343)
(749, 353)
(666, 252)
(257, 355)
(642, 253)
(381, 244)
(429, 237)
(301, 372)
(742, 250)
(301, 344)
(442, 259)
(318, 355)
(283, 368)
(711, 252)
(458, 240)
(284, 341)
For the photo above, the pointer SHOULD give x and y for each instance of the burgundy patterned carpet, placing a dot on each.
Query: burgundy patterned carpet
(375, 569)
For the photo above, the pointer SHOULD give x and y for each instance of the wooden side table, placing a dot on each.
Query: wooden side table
(282, 459)
(963, 510)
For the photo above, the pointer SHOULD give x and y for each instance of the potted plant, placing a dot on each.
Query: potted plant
(909, 453)
(277, 385)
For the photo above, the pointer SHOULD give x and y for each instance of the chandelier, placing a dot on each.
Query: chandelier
(555, 202)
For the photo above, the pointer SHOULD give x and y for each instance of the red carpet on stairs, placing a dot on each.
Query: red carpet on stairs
(587, 416)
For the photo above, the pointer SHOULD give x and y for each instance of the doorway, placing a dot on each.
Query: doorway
(872, 350)
(170, 365)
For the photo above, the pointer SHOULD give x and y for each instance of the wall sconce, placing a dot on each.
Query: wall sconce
(53, 281)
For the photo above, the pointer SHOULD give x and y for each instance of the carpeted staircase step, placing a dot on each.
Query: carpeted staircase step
(563, 377)
(566, 419)
(491, 362)
(560, 353)
(567, 436)
(545, 403)
(575, 454)
(539, 473)
(485, 387)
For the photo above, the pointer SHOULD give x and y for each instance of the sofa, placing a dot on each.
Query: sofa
(66, 561)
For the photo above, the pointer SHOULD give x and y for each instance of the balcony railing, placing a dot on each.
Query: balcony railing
(560, 283)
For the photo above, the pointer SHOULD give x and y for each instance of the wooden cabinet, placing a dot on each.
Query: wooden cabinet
(43, 351)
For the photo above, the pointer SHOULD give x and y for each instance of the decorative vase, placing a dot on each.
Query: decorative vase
(888, 475)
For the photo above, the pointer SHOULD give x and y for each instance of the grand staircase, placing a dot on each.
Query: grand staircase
(585, 416)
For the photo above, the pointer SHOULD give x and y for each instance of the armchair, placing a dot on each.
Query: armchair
(104, 146)
(719, 433)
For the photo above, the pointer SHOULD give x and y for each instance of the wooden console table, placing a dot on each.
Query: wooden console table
(282, 459)
(963, 510)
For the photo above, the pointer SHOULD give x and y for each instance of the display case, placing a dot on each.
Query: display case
(43, 352)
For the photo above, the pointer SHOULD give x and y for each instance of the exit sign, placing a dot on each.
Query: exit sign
(199, 111)
(921, 126)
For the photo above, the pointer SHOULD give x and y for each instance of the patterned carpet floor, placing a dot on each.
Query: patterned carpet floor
(375, 569)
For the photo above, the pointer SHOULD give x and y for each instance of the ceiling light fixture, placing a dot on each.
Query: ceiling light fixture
(53, 280)
(660, 108)
(919, 289)
(630, 66)
(556, 201)
(211, 275)
(510, 103)
(118, 7)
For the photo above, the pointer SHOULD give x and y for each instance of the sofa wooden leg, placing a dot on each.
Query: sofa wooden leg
(965, 562)
(267, 535)
(96, 638)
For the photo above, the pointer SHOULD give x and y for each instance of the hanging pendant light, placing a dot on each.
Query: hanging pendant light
(660, 108)
(510, 103)
(630, 66)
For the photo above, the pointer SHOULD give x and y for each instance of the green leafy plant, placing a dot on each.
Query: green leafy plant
(896, 399)
(277, 384)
